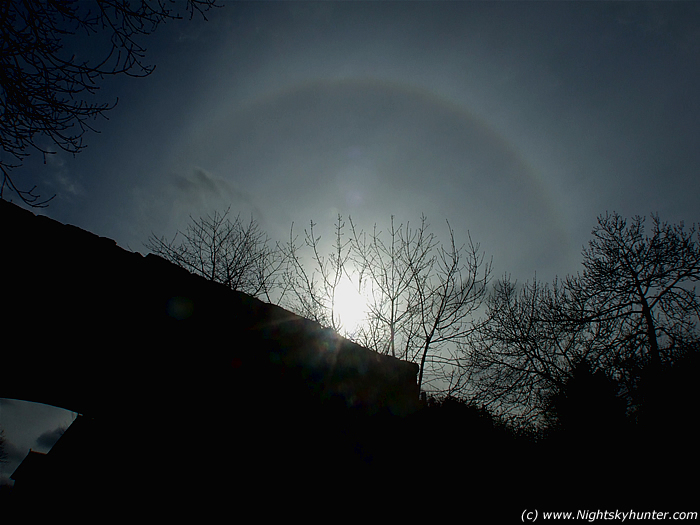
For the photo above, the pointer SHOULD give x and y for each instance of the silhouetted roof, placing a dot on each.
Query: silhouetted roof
(31, 467)
(92, 332)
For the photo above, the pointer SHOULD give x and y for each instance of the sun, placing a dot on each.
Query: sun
(350, 307)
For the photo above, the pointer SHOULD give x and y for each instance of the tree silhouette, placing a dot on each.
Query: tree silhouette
(632, 308)
(390, 267)
(226, 251)
(637, 293)
(313, 289)
(523, 352)
(422, 295)
(449, 291)
(587, 406)
(46, 90)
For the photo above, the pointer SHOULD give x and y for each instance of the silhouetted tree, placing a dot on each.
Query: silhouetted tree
(637, 294)
(313, 289)
(587, 405)
(422, 295)
(44, 86)
(389, 268)
(523, 352)
(448, 290)
(227, 251)
(633, 307)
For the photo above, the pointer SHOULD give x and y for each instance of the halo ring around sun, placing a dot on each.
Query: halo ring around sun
(372, 148)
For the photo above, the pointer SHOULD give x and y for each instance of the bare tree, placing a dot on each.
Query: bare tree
(422, 296)
(524, 351)
(642, 286)
(313, 286)
(449, 292)
(633, 308)
(227, 251)
(45, 88)
(390, 268)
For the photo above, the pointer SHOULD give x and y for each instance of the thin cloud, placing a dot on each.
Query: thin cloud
(205, 191)
(48, 439)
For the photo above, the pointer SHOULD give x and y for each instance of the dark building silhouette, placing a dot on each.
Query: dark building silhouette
(188, 386)
(29, 476)
(92, 323)
(74, 460)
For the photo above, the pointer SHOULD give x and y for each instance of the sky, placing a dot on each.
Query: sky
(519, 123)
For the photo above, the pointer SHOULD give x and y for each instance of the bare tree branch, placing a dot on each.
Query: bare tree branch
(632, 308)
(46, 87)
(232, 253)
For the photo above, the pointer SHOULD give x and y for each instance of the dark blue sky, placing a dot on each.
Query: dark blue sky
(518, 122)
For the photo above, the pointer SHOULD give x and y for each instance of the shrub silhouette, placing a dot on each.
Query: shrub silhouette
(588, 404)
(667, 400)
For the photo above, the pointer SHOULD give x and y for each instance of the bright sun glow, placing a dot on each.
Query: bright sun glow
(350, 307)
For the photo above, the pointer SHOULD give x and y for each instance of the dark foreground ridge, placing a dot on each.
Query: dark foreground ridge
(200, 404)
(180, 378)
(94, 327)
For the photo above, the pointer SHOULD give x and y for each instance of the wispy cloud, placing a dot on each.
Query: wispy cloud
(203, 191)
(49, 438)
(64, 184)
